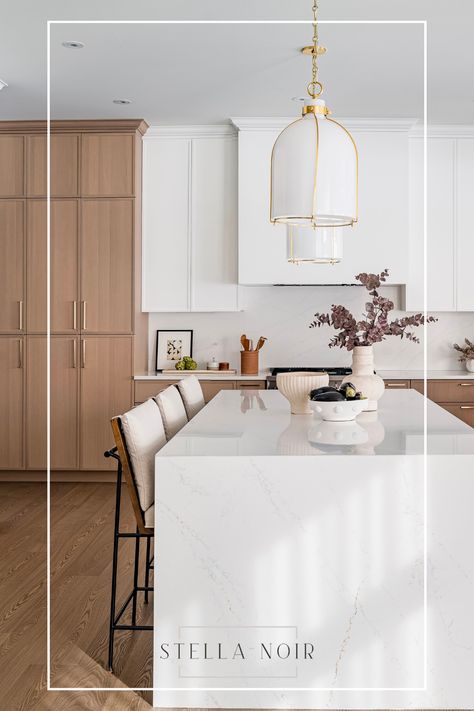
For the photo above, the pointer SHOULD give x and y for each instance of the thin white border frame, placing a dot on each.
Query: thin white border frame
(424, 23)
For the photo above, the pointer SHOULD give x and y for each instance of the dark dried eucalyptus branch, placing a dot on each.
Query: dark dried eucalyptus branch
(375, 326)
(467, 351)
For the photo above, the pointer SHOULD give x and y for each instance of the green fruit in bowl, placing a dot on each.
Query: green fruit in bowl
(186, 363)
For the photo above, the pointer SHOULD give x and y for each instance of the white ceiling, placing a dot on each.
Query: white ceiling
(205, 73)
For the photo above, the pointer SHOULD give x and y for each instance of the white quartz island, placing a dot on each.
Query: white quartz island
(290, 558)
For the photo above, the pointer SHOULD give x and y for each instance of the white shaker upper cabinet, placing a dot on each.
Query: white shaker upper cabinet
(380, 238)
(450, 231)
(464, 224)
(440, 243)
(190, 219)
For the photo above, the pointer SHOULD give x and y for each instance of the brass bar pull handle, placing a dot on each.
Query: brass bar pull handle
(466, 385)
(84, 315)
(467, 407)
(74, 353)
(395, 385)
(83, 354)
(74, 315)
(20, 353)
(20, 314)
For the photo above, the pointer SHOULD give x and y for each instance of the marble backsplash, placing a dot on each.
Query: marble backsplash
(283, 315)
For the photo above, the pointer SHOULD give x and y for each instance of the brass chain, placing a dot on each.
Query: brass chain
(315, 87)
(315, 40)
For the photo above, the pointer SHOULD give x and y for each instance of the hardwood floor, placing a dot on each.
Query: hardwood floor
(82, 517)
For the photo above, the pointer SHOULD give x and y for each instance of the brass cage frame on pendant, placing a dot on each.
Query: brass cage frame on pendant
(291, 219)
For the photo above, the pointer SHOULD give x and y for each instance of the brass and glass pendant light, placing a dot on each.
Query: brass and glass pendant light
(314, 175)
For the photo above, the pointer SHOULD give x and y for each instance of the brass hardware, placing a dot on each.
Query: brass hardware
(83, 354)
(20, 353)
(311, 49)
(84, 306)
(465, 385)
(20, 314)
(395, 385)
(314, 51)
(467, 407)
(315, 109)
(314, 89)
(357, 169)
(74, 316)
(74, 353)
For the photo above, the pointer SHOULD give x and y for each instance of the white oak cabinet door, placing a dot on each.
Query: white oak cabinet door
(379, 240)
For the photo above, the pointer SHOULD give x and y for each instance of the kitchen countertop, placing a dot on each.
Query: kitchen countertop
(259, 423)
(262, 375)
(277, 550)
(218, 375)
(431, 374)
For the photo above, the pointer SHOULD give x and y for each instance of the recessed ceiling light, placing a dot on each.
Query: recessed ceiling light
(3, 84)
(73, 44)
(122, 101)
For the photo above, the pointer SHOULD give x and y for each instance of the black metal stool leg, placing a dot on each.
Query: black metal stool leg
(147, 568)
(114, 567)
(135, 579)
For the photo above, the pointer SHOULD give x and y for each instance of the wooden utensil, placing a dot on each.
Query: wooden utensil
(261, 342)
(245, 342)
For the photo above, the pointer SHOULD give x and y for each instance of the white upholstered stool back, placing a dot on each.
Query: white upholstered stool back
(172, 410)
(191, 392)
(143, 434)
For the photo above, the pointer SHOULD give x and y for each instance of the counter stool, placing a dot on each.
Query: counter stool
(191, 391)
(138, 435)
(172, 410)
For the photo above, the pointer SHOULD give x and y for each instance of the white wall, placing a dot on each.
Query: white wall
(283, 314)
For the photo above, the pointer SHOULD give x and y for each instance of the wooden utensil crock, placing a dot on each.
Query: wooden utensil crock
(249, 362)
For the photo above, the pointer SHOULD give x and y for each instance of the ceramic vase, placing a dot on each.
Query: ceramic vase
(470, 365)
(363, 376)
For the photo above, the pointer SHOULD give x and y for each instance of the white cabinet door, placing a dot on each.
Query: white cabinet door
(190, 223)
(378, 241)
(465, 224)
(440, 226)
(214, 225)
(165, 248)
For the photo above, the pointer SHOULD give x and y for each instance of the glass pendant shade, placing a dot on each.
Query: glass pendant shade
(314, 172)
(311, 245)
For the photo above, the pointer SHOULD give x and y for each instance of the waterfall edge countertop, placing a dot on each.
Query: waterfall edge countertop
(258, 423)
(262, 548)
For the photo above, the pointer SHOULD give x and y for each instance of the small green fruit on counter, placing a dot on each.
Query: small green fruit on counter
(186, 363)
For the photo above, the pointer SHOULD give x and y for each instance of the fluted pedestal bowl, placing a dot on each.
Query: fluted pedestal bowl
(297, 386)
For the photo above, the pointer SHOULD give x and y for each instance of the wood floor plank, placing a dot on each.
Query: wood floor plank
(82, 517)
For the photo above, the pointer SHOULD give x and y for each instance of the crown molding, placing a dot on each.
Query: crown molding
(76, 126)
(259, 123)
(454, 130)
(192, 131)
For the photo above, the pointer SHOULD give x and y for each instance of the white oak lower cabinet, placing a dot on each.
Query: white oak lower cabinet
(12, 357)
(64, 402)
(105, 391)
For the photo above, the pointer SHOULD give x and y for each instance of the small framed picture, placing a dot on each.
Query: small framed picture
(171, 346)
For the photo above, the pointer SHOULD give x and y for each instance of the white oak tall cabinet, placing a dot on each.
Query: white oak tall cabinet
(98, 332)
